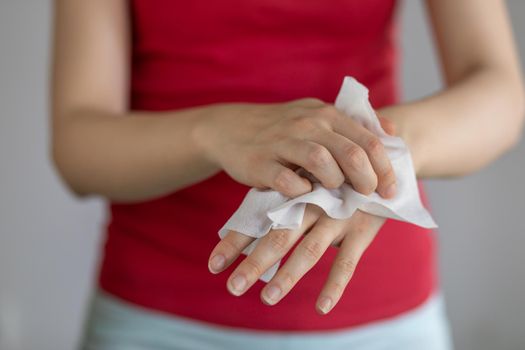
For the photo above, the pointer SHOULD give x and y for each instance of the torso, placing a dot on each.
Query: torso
(199, 52)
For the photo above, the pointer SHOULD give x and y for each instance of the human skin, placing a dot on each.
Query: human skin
(100, 147)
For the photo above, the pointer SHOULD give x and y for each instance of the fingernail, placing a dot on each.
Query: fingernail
(238, 284)
(325, 304)
(217, 263)
(272, 294)
(391, 191)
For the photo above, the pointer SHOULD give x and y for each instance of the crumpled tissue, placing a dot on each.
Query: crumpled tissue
(264, 210)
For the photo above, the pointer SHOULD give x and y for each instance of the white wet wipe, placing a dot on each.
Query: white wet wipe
(264, 210)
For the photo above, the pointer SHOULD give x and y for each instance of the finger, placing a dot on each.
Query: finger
(304, 257)
(352, 159)
(388, 126)
(372, 145)
(228, 250)
(313, 157)
(284, 180)
(270, 249)
(363, 228)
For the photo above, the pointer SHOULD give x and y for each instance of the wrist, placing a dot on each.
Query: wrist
(186, 150)
(205, 132)
(219, 126)
(403, 118)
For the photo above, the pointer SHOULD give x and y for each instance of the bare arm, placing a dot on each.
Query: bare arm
(98, 146)
(479, 115)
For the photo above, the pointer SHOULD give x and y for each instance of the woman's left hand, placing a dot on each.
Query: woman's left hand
(352, 236)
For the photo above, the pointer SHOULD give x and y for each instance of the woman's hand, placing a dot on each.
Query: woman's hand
(320, 231)
(352, 236)
(261, 145)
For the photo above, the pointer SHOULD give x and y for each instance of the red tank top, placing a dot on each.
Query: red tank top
(188, 53)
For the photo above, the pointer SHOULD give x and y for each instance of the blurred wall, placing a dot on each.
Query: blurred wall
(482, 234)
(49, 241)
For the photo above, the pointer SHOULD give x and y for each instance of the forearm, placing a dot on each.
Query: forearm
(130, 157)
(464, 127)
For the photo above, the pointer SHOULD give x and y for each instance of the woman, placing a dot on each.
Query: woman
(173, 110)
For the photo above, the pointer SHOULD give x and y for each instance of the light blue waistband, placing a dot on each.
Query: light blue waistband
(114, 325)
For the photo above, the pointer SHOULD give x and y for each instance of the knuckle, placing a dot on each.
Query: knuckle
(388, 176)
(318, 156)
(322, 117)
(279, 240)
(295, 110)
(328, 111)
(230, 246)
(252, 267)
(312, 249)
(312, 101)
(356, 156)
(345, 265)
(357, 159)
(338, 287)
(374, 146)
(287, 279)
(303, 124)
(283, 181)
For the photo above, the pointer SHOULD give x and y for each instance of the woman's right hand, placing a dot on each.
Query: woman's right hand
(261, 145)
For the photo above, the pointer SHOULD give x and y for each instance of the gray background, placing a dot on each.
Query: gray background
(49, 241)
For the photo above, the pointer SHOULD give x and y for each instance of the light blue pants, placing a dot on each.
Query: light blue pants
(116, 325)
